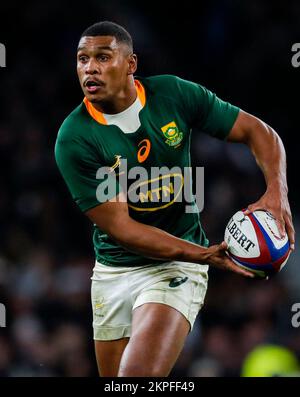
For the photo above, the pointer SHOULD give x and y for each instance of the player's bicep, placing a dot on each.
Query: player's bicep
(243, 127)
(111, 216)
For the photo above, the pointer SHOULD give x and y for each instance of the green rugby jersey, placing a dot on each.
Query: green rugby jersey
(171, 108)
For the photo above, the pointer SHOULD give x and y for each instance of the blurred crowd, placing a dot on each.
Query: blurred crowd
(242, 52)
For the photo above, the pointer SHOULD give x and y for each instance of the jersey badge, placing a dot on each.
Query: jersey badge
(173, 135)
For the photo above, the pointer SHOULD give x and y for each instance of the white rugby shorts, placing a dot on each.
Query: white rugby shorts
(117, 291)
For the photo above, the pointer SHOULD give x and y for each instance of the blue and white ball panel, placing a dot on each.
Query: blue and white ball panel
(254, 242)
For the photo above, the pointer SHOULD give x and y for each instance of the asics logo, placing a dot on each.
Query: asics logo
(175, 282)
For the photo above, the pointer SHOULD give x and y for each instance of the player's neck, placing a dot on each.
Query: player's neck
(120, 102)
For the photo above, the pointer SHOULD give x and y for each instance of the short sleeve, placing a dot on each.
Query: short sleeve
(89, 181)
(206, 111)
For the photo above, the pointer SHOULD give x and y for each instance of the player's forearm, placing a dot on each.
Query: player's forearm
(113, 218)
(155, 243)
(269, 153)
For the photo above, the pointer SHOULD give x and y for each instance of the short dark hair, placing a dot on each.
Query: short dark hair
(107, 28)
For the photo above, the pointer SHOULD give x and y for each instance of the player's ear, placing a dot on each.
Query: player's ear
(132, 64)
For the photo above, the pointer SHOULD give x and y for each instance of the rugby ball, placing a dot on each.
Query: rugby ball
(254, 243)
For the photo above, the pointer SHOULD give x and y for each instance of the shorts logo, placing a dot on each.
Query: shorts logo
(175, 282)
(173, 135)
(98, 305)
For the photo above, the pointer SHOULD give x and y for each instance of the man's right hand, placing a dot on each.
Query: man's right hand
(217, 257)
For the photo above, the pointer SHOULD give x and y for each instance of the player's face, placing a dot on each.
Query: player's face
(103, 66)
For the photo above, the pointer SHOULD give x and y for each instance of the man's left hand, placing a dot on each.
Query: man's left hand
(277, 203)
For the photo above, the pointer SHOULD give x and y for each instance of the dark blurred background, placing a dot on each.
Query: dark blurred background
(242, 51)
